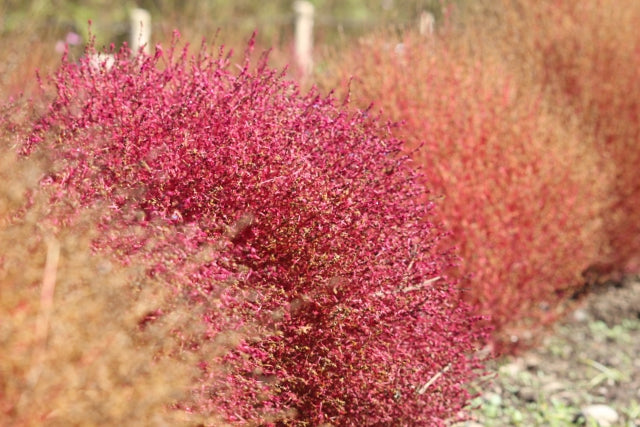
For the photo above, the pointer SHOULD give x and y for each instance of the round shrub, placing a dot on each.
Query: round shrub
(319, 232)
(520, 185)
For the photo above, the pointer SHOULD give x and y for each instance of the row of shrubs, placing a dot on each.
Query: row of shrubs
(523, 117)
(265, 256)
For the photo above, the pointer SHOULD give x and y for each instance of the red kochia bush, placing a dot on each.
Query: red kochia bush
(328, 243)
(520, 186)
(589, 54)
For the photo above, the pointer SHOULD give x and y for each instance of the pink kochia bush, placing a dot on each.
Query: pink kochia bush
(319, 227)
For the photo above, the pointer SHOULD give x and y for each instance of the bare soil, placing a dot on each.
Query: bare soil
(591, 358)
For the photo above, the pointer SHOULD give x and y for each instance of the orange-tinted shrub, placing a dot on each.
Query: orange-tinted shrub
(520, 183)
(587, 54)
(72, 352)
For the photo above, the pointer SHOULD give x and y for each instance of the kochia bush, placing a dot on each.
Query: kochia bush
(589, 55)
(72, 354)
(520, 187)
(319, 227)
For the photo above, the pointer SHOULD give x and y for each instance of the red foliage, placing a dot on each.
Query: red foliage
(519, 190)
(589, 53)
(316, 222)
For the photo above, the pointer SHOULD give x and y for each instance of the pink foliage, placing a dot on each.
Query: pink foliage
(318, 225)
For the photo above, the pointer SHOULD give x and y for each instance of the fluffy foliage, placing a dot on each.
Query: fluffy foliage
(519, 184)
(72, 350)
(588, 54)
(316, 226)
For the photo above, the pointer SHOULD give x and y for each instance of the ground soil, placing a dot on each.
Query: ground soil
(592, 357)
